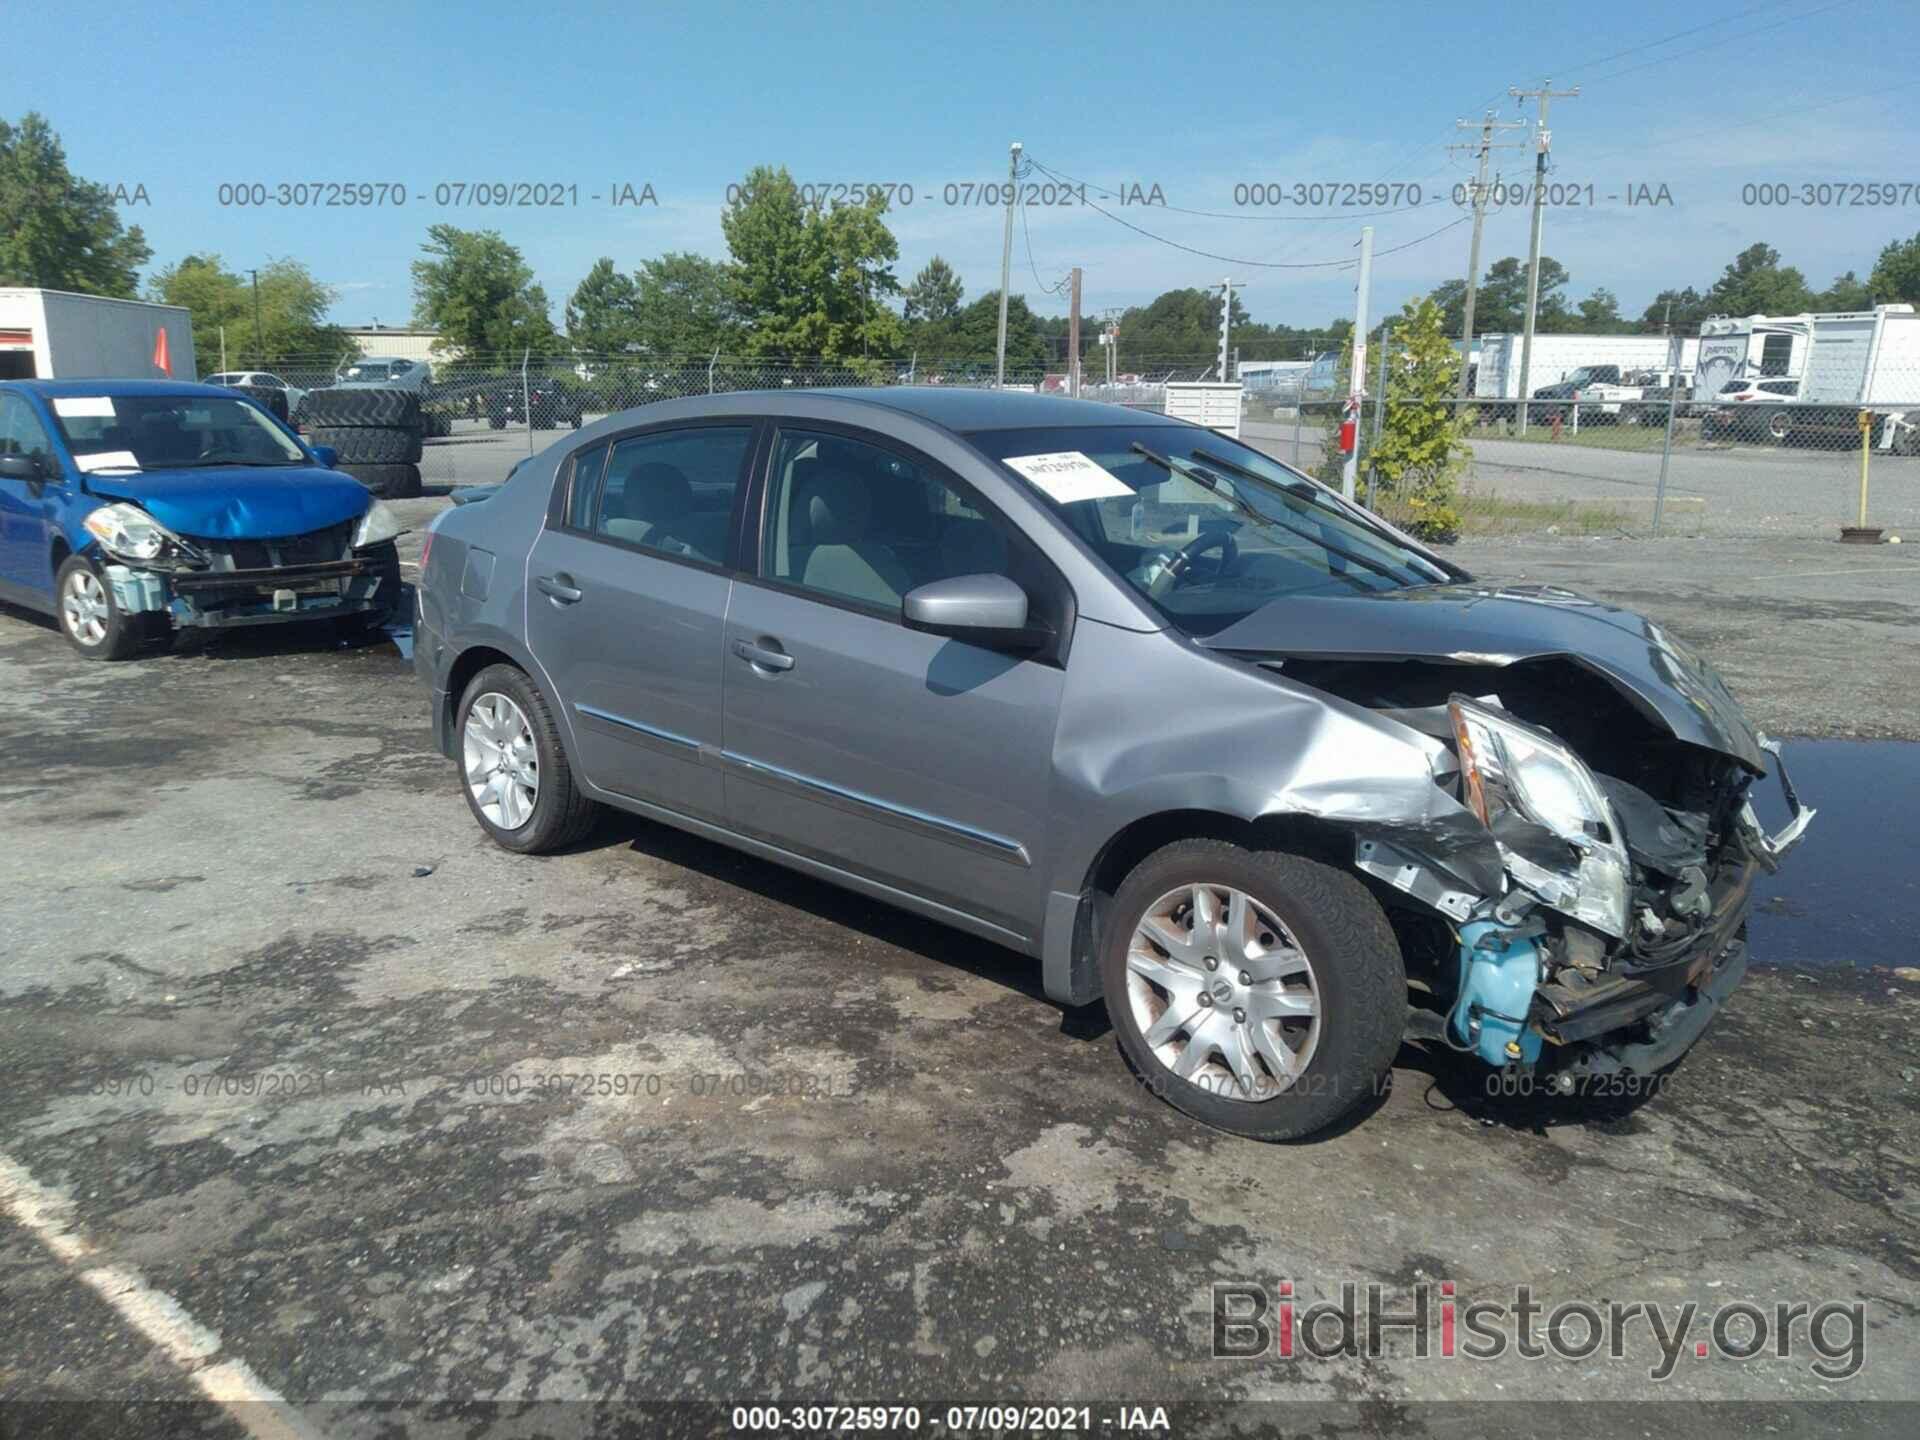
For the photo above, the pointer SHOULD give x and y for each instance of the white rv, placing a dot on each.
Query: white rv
(1751, 347)
(54, 335)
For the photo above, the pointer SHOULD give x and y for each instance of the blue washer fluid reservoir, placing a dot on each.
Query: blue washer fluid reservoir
(1499, 971)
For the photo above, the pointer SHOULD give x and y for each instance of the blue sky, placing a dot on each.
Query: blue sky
(1194, 98)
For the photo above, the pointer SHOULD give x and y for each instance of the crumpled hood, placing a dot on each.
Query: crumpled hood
(234, 503)
(1479, 625)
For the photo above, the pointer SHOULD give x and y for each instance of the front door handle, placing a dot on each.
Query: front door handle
(560, 588)
(759, 655)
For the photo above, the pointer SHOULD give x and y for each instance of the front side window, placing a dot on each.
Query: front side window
(672, 491)
(21, 432)
(1205, 528)
(152, 432)
(858, 522)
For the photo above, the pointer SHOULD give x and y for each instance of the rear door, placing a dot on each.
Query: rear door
(627, 594)
(911, 759)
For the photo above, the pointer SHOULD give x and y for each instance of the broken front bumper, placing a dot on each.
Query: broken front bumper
(226, 598)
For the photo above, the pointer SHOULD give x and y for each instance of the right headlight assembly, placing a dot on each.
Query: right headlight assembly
(1511, 772)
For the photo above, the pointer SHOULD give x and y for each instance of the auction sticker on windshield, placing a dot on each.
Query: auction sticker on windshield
(83, 407)
(1067, 476)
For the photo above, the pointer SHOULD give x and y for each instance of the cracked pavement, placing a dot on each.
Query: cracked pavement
(654, 1120)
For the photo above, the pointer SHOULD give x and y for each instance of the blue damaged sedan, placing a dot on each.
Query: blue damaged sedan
(130, 509)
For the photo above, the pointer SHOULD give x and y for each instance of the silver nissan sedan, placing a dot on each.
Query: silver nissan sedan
(1280, 784)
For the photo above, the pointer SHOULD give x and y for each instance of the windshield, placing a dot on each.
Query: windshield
(1212, 534)
(170, 432)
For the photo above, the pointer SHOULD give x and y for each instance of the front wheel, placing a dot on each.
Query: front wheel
(514, 771)
(1260, 992)
(91, 618)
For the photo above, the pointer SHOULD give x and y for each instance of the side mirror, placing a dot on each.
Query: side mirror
(326, 455)
(986, 609)
(21, 467)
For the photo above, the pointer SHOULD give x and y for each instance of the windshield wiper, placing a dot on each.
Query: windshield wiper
(1201, 477)
(212, 464)
(1314, 493)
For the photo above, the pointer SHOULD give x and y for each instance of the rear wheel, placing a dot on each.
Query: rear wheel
(1257, 991)
(91, 618)
(514, 770)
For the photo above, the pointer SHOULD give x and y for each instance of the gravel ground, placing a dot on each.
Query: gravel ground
(392, 1116)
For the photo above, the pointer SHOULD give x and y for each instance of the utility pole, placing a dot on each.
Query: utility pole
(1487, 127)
(1357, 381)
(1073, 336)
(1543, 142)
(259, 352)
(1006, 266)
(1226, 323)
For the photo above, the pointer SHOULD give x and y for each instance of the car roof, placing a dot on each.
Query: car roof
(964, 408)
(53, 389)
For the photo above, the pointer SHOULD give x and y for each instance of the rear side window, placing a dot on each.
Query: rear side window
(672, 491)
(583, 493)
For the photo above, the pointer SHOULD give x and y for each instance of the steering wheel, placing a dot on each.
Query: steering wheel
(1176, 570)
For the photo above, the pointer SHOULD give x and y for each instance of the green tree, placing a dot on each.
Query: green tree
(684, 305)
(1676, 312)
(1896, 274)
(1756, 283)
(292, 311)
(972, 336)
(479, 293)
(808, 281)
(1599, 314)
(1415, 464)
(600, 313)
(1500, 302)
(1848, 292)
(1180, 326)
(57, 231)
(934, 296)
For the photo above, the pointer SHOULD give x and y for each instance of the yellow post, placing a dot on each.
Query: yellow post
(1866, 448)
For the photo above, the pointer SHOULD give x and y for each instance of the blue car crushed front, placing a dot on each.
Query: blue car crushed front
(134, 508)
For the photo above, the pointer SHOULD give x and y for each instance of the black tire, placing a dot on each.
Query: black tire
(369, 444)
(121, 635)
(1356, 966)
(561, 814)
(340, 406)
(389, 482)
(272, 400)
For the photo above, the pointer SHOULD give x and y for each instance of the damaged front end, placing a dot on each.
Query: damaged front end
(1587, 916)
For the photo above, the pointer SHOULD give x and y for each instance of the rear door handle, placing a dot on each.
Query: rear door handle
(561, 588)
(759, 655)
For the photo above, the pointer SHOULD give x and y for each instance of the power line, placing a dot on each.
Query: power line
(1667, 39)
(1695, 54)
(1027, 235)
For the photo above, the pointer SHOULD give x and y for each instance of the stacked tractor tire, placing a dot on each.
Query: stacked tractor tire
(375, 433)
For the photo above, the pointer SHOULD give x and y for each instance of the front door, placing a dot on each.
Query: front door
(26, 554)
(915, 760)
(626, 598)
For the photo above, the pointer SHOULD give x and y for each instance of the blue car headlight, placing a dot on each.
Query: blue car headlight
(378, 524)
(1508, 768)
(128, 533)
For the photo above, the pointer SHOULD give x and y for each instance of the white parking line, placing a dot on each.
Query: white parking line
(231, 1384)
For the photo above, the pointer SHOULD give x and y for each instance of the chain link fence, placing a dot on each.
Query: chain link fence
(1636, 460)
(1645, 459)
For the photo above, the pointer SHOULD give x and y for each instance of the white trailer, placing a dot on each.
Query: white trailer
(1557, 357)
(1862, 361)
(54, 335)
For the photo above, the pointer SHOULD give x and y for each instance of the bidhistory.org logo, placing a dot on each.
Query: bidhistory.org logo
(1434, 1322)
